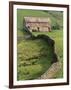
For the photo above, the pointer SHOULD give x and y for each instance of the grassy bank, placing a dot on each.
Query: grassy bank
(34, 58)
(57, 36)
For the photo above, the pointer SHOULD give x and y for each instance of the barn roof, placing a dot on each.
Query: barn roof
(37, 19)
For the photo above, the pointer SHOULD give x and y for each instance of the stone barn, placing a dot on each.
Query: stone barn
(38, 24)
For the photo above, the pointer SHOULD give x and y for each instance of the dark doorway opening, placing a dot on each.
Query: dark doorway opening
(38, 28)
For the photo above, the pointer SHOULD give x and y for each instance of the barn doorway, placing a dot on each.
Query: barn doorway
(38, 29)
(28, 27)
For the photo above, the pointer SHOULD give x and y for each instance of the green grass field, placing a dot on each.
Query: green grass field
(55, 17)
(57, 36)
(31, 63)
(34, 56)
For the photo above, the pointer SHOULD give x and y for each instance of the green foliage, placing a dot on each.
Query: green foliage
(57, 36)
(56, 19)
(32, 61)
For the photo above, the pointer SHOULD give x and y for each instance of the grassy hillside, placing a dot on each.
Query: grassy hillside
(24, 13)
(31, 63)
(57, 36)
(56, 17)
(34, 58)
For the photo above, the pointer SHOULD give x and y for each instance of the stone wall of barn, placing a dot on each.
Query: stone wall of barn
(36, 26)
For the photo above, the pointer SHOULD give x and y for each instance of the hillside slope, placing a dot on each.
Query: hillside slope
(56, 17)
